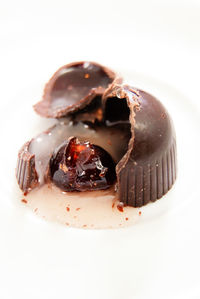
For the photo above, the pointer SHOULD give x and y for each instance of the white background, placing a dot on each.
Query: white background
(153, 39)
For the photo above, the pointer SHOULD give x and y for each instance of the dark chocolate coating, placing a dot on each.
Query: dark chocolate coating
(148, 169)
(26, 174)
(73, 87)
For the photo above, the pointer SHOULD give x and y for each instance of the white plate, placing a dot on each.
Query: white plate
(161, 249)
(156, 49)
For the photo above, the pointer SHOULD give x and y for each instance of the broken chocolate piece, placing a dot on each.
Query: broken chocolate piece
(73, 87)
(81, 166)
(148, 169)
(130, 125)
(26, 174)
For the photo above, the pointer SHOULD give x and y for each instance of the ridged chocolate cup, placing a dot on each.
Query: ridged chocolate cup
(73, 87)
(26, 174)
(148, 169)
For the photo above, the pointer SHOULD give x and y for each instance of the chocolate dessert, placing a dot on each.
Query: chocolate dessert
(107, 134)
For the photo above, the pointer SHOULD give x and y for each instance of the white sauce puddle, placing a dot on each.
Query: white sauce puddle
(93, 210)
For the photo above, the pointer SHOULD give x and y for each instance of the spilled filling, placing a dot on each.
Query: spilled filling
(112, 142)
(80, 156)
(80, 153)
(93, 210)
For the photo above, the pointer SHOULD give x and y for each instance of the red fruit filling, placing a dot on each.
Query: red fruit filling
(81, 166)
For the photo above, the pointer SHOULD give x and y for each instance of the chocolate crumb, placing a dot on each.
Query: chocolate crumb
(24, 200)
(120, 207)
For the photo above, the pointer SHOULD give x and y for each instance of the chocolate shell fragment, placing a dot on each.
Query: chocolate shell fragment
(26, 174)
(148, 169)
(73, 87)
(132, 126)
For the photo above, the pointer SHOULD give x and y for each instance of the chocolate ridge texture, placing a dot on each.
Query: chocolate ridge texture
(148, 169)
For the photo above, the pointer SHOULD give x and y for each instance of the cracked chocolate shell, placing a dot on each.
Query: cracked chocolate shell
(148, 169)
(130, 124)
(73, 87)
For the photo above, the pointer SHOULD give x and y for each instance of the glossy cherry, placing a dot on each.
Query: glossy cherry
(81, 166)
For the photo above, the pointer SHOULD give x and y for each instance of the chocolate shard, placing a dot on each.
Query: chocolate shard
(148, 169)
(73, 87)
(26, 174)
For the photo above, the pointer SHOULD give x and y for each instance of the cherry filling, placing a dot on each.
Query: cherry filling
(81, 166)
